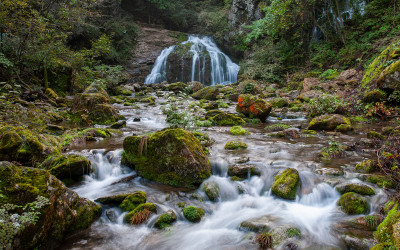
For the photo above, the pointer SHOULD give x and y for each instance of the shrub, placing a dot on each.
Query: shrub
(264, 240)
(326, 104)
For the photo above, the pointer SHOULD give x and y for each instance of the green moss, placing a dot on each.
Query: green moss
(211, 189)
(279, 103)
(114, 199)
(51, 94)
(277, 127)
(227, 120)
(380, 180)
(385, 230)
(355, 188)
(375, 95)
(165, 220)
(133, 200)
(172, 156)
(181, 204)
(238, 130)
(293, 232)
(232, 145)
(309, 132)
(327, 122)
(208, 93)
(144, 206)
(67, 166)
(376, 135)
(286, 184)
(353, 203)
(193, 214)
(367, 166)
(344, 128)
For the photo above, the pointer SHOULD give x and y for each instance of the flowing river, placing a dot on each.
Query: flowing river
(314, 211)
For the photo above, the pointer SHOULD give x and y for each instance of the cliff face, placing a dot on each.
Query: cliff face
(243, 12)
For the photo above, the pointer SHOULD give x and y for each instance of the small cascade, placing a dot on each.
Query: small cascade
(197, 59)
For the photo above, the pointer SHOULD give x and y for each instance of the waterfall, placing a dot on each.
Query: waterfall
(208, 64)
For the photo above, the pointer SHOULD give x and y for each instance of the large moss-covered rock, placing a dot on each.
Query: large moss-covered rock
(211, 189)
(328, 122)
(172, 156)
(133, 200)
(208, 93)
(389, 231)
(94, 105)
(165, 220)
(193, 214)
(353, 203)
(390, 77)
(65, 214)
(379, 70)
(286, 184)
(24, 146)
(356, 188)
(67, 166)
(253, 107)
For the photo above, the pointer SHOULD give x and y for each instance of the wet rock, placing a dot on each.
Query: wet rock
(383, 181)
(224, 119)
(118, 124)
(208, 93)
(113, 199)
(111, 215)
(238, 130)
(355, 235)
(195, 86)
(166, 219)
(193, 214)
(211, 189)
(173, 156)
(330, 171)
(241, 160)
(211, 106)
(136, 119)
(243, 171)
(133, 200)
(286, 184)
(343, 128)
(284, 235)
(67, 166)
(352, 203)
(261, 224)
(356, 188)
(232, 145)
(328, 122)
(375, 135)
(367, 166)
(177, 87)
(64, 214)
(140, 214)
(253, 107)
(291, 133)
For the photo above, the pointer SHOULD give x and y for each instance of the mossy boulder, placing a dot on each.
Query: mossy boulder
(212, 113)
(65, 214)
(211, 189)
(253, 107)
(352, 203)
(118, 124)
(173, 156)
(389, 231)
(67, 166)
(375, 95)
(141, 213)
(233, 145)
(390, 77)
(327, 122)
(24, 146)
(355, 188)
(94, 105)
(133, 200)
(224, 119)
(243, 170)
(166, 220)
(238, 130)
(379, 69)
(279, 102)
(286, 184)
(209, 93)
(375, 135)
(343, 128)
(367, 166)
(193, 214)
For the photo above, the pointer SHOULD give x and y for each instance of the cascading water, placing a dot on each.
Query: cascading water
(207, 64)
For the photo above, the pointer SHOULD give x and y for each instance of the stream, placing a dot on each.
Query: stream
(314, 211)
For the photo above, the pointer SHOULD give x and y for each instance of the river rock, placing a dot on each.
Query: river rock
(225, 119)
(367, 166)
(94, 103)
(65, 213)
(253, 107)
(166, 219)
(211, 189)
(330, 171)
(118, 124)
(291, 133)
(208, 93)
(133, 200)
(233, 145)
(113, 199)
(193, 214)
(140, 214)
(285, 235)
(243, 171)
(286, 184)
(261, 224)
(327, 122)
(111, 215)
(173, 156)
(353, 203)
(356, 188)
(67, 166)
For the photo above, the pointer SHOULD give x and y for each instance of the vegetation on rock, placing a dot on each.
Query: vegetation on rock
(286, 184)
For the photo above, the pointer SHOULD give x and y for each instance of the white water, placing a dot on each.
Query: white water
(222, 69)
